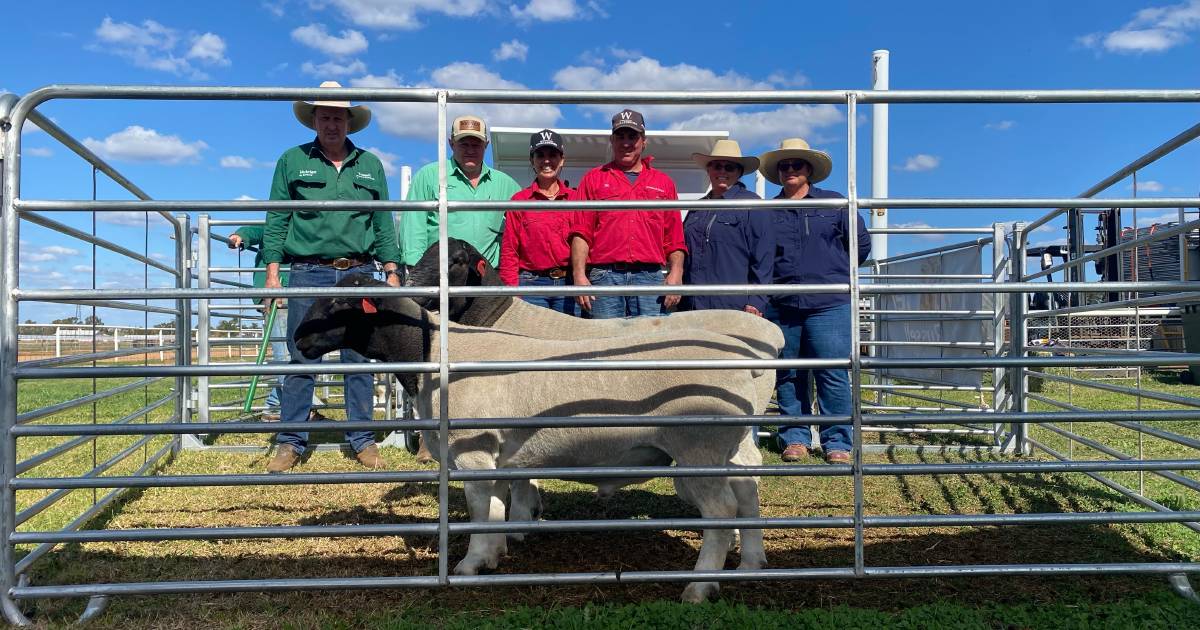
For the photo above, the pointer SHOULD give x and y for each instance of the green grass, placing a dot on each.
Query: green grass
(986, 602)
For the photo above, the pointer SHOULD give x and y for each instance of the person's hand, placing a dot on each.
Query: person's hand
(273, 282)
(393, 279)
(753, 311)
(671, 301)
(235, 242)
(584, 301)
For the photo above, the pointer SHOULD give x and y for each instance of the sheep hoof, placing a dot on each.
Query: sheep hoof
(699, 592)
(753, 564)
(472, 566)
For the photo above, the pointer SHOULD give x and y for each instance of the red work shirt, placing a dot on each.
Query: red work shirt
(628, 236)
(535, 241)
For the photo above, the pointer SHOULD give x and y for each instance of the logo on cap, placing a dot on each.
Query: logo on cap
(629, 118)
(468, 125)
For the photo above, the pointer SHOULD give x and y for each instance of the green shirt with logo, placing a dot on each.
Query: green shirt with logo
(419, 230)
(304, 173)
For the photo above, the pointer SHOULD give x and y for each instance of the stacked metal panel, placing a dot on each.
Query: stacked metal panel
(1158, 261)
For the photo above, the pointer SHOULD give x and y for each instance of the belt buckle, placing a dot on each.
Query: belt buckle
(557, 273)
(341, 264)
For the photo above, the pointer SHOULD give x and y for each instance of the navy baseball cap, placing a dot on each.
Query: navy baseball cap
(545, 138)
(627, 118)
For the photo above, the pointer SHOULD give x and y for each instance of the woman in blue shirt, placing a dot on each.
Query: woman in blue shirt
(812, 247)
(733, 246)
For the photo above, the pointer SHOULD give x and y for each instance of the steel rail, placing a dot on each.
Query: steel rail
(96, 240)
(933, 203)
(23, 565)
(613, 577)
(30, 416)
(49, 454)
(585, 473)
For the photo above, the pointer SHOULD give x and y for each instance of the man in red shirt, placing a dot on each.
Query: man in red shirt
(627, 247)
(534, 250)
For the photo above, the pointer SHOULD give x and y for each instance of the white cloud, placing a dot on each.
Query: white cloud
(920, 162)
(418, 120)
(333, 68)
(546, 10)
(245, 198)
(351, 42)
(127, 218)
(766, 127)
(1000, 125)
(38, 152)
(49, 253)
(274, 8)
(404, 14)
(1148, 185)
(1152, 30)
(158, 256)
(515, 49)
(153, 46)
(82, 269)
(388, 159)
(237, 161)
(919, 224)
(788, 80)
(138, 144)
(645, 73)
(1149, 216)
(208, 48)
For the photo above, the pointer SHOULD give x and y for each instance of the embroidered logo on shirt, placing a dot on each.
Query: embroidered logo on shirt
(366, 176)
(307, 172)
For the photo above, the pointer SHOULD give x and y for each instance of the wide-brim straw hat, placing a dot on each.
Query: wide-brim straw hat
(728, 151)
(792, 148)
(360, 115)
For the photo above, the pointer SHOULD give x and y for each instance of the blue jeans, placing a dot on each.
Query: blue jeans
(298, 388)
(562, 304)
(815, 334)
(279, 354)
(616, 306)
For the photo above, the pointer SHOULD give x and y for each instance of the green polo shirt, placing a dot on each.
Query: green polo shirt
(303, 173)
(252, 236)
(419, 230)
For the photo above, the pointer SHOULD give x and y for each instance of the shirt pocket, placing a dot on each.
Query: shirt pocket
(309, 188)
(367, 190)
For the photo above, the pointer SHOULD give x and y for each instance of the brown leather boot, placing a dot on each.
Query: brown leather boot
(285, 458)
(423, 455)
(370, 457)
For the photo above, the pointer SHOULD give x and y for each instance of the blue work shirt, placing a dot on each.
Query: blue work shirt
(729, 247)
(811, 247)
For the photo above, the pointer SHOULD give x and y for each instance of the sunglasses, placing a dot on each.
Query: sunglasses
(791, 165)
(728, 167)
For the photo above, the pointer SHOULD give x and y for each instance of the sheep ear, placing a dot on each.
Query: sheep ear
(481, 267)
(368, 306)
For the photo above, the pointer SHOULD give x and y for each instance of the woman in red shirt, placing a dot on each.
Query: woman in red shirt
(534, 250)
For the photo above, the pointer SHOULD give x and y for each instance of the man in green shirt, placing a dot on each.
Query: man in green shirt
(322, 247)
(468, 179)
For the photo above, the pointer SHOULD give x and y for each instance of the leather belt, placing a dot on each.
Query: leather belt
(341, 264)
(624, 267)
(556, 273)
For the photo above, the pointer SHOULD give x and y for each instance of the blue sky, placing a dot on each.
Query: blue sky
(224, 150)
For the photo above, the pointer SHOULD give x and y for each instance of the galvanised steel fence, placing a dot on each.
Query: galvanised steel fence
(1017, 417)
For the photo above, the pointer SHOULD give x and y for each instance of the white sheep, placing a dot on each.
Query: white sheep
(467, 267)
(397, 330)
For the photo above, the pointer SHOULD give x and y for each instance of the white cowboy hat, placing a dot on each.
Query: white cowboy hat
(728, 151)
(360, 115)
(820, 161)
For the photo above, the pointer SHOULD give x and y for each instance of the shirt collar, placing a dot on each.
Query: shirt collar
(535, 192)
(647, 162)
(314, 150)
(484, 171)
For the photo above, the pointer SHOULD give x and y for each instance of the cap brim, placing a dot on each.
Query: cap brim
(749, 164)
(820, 161)
(360, 115)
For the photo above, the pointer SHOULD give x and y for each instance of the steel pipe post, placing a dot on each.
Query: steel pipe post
(1017, 322)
